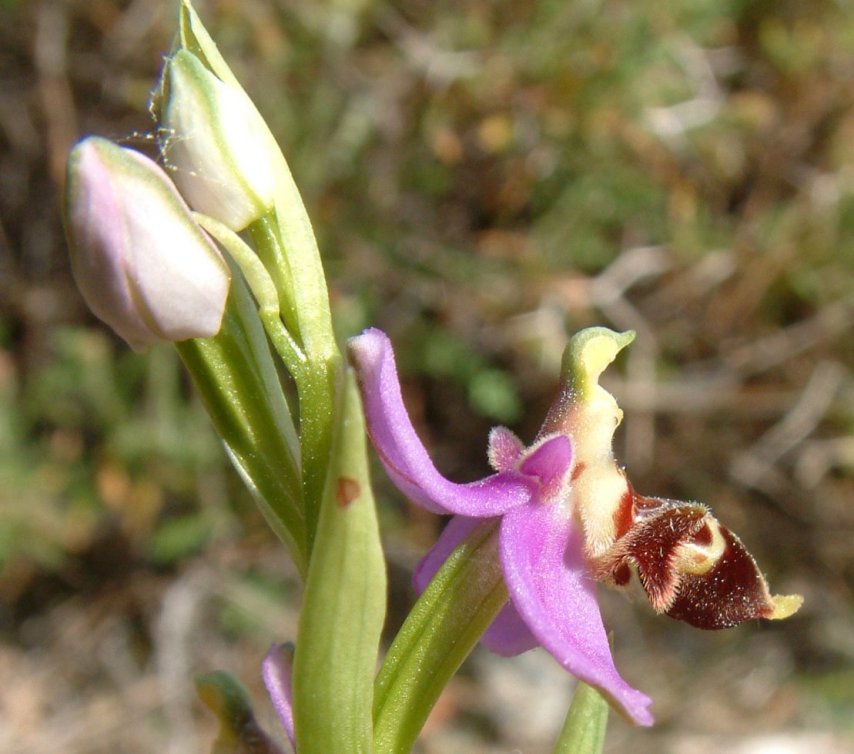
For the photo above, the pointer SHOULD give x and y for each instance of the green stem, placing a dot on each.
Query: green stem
(317, 415)
(265, 237)
(298, 250)
(304, 309)
(586, 721)
(263, 289)
(441, 630)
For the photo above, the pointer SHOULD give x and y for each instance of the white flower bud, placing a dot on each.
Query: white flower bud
(221, 151)
(143, 265)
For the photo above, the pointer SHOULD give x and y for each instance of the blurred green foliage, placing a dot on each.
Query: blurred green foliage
(99, 438)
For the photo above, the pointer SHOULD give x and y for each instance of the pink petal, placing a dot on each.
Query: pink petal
(452, 536)
(549, 462)
(402, 453)
(277, 672)
(551, 587)
(508, 635)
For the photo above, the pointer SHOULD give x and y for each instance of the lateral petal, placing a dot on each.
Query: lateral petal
(402, 452)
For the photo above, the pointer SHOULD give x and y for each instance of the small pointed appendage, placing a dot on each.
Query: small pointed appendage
(691, 567)
(504, 449)
(785, 606)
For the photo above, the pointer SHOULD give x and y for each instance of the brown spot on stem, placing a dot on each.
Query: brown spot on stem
(346, 491)
(577, 470)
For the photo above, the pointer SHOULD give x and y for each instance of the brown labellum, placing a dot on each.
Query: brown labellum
(732, 591)
(652, 547)
(691, 568)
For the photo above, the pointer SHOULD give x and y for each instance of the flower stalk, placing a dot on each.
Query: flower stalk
(585, 725)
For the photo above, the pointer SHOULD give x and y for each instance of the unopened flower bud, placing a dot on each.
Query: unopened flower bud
(219, 148)
(143, 265)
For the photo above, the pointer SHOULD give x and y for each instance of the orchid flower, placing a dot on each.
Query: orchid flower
(567, 518)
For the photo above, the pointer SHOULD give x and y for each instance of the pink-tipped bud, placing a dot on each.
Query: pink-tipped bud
(143, 265)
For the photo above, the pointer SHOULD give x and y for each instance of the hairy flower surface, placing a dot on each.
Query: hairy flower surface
(568, 517)
(141, 262)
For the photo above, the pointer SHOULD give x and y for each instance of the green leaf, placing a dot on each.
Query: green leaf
(345, 598)
(439, 633)
(237, 380)
(584, 728)
(239, 732)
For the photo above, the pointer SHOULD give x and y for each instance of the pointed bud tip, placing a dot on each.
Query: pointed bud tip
(221, 152)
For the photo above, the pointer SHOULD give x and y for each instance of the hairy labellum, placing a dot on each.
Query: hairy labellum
(691, 567)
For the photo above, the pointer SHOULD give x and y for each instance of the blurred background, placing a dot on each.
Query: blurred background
(484, 178)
